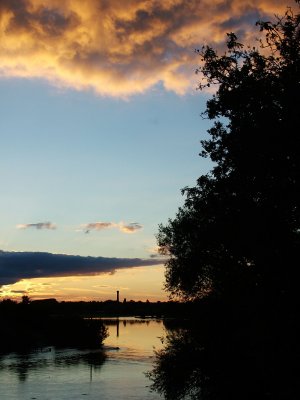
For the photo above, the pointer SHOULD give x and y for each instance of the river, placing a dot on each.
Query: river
(116, 372)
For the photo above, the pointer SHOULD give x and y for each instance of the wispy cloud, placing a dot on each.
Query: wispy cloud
(15, 266)
(154, 253)
(130, 228)
(38, 225)
(19, 291)
(122, 226)
(119, 48)
(96, 226)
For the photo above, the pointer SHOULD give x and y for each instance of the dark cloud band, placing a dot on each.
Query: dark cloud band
(15, 266)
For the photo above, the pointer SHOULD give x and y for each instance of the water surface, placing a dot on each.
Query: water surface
(116, 372)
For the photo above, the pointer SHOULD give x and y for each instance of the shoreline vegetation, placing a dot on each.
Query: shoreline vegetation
(33, 324)
(231, 350)
(30, 325)
(236, 239)
(212, 348)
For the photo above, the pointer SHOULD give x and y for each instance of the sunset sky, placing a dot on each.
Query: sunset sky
(100, 128)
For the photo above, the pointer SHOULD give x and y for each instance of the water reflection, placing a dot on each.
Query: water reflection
(221, 357)
(22, 364)
(228, 359)
(134, 339)
(116, 371)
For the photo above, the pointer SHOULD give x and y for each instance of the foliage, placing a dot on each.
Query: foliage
(41, 323)
(230, 354)
(176, 373)
(238, 230)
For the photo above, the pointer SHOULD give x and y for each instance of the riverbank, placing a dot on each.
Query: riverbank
(28, 325)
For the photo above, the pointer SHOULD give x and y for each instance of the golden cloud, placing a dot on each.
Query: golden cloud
(99, 226)
(119, 48)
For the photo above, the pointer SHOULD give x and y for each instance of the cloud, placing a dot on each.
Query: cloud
(38, 225)
(15, 266)
(119, 48)
(19, 291)
(99, 226)
(130, 228)
(96, 226)
(154, 255)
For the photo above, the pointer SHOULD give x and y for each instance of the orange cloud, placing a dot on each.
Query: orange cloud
(130, 228)
(119, 48)
(99, 226)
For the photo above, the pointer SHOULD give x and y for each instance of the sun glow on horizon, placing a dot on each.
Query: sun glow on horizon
(141, 283)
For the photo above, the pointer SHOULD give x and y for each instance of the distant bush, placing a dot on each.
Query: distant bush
(36, 325)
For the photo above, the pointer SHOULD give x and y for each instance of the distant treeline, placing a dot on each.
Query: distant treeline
(42, 323)
(108, 308)
(38, 323)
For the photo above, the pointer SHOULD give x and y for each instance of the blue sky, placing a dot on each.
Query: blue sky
(100, 129)
(72, 158)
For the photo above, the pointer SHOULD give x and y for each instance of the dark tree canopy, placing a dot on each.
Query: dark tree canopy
(239, 228)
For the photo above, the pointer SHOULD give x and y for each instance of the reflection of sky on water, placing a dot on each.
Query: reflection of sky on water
(31, 363)
(69, 374)
(135, 338)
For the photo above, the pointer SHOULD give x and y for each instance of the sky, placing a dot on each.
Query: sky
(100, 128)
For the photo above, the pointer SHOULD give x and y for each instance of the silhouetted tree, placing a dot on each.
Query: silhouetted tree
(25, 300)
(243, 360)
(239, 228)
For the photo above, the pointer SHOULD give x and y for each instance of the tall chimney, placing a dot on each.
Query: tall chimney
(118, 296)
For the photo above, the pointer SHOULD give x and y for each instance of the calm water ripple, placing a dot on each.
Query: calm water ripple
(116, 372)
